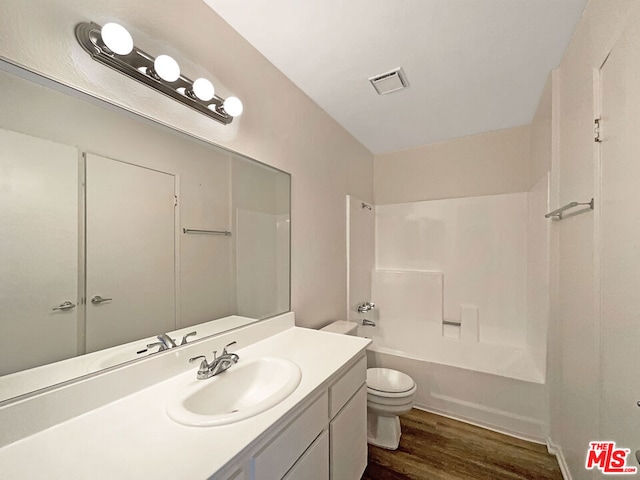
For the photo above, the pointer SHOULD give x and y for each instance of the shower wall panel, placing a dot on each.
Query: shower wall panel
(480, 246)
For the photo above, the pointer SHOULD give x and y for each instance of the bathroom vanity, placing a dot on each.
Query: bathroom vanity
(115, 424)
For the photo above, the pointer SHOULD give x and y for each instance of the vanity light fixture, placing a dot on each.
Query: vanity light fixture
(113, 46)
(233, 106)
(203, 89)
(117, 38)
(165, 68)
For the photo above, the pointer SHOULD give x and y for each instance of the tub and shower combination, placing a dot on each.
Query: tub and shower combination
(461, 294)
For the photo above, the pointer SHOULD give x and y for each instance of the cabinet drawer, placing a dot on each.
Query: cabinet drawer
(344, 388)
(277, 457)
(348, 431)
(314, 464)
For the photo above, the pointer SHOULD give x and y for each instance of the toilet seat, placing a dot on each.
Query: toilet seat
(390, 402)
(400, 395)
(384, 382)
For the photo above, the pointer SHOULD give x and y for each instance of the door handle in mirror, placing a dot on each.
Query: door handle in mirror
(97, 299)
(66, 305)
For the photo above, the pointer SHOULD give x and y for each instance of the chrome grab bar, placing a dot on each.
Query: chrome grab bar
(559, 211)
(226, 233)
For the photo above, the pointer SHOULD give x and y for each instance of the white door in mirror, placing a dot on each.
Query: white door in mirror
(245, 390)
(38, 283)
(130, 252)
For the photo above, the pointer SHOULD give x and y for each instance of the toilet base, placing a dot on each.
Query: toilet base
(383, 432)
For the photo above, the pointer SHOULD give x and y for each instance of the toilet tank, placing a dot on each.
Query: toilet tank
(343, 327)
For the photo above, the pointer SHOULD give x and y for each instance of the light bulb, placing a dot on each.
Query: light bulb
(233, 106)
(203, 89)
(166, 68)
(117, 38)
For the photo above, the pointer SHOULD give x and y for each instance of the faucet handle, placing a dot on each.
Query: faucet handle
(157, 344)
(204, 364)
(224, 351)
(184, 339)
(365, 307)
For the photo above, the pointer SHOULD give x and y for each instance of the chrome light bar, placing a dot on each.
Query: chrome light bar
(139, 65)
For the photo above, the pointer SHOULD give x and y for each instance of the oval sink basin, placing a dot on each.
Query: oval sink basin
(248, 388)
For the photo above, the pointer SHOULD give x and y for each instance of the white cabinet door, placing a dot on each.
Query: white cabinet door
(314, 464)
(38, 251)
(274, 459)
(349, 439)
(130, 252)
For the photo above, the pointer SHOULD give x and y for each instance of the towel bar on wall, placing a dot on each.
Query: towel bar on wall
(452, 323)
(558, 212)
(207, 232)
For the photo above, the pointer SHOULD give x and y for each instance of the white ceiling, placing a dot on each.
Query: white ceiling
(473, 65)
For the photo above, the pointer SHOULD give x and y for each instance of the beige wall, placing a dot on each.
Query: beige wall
(486, 164)
(540, 147)
(574, 363)
(281, 126)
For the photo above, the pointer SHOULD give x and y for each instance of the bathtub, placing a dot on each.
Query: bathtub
(498, 387)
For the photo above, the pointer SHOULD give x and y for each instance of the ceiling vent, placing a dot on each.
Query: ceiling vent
(389, 82)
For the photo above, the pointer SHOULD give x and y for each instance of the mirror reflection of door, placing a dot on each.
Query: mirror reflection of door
(38, 199)
(130, 252)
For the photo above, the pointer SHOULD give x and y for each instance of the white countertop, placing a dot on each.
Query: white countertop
(134, 438)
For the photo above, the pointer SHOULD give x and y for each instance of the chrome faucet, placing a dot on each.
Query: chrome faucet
(166, 341)
(217, 365)
(365, 307)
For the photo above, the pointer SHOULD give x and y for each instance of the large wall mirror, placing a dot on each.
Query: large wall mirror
(116, 230)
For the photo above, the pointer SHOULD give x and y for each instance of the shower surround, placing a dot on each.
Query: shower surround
(480, 262)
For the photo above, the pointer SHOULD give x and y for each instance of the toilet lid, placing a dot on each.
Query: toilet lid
(387, 380)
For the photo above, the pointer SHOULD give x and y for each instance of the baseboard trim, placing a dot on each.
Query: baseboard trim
(496, 419)
(556, 450)
(477, 423)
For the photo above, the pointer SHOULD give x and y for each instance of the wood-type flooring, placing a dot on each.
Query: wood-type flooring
(433, 447)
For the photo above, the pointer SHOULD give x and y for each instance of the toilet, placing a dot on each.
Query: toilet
(390, 393)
